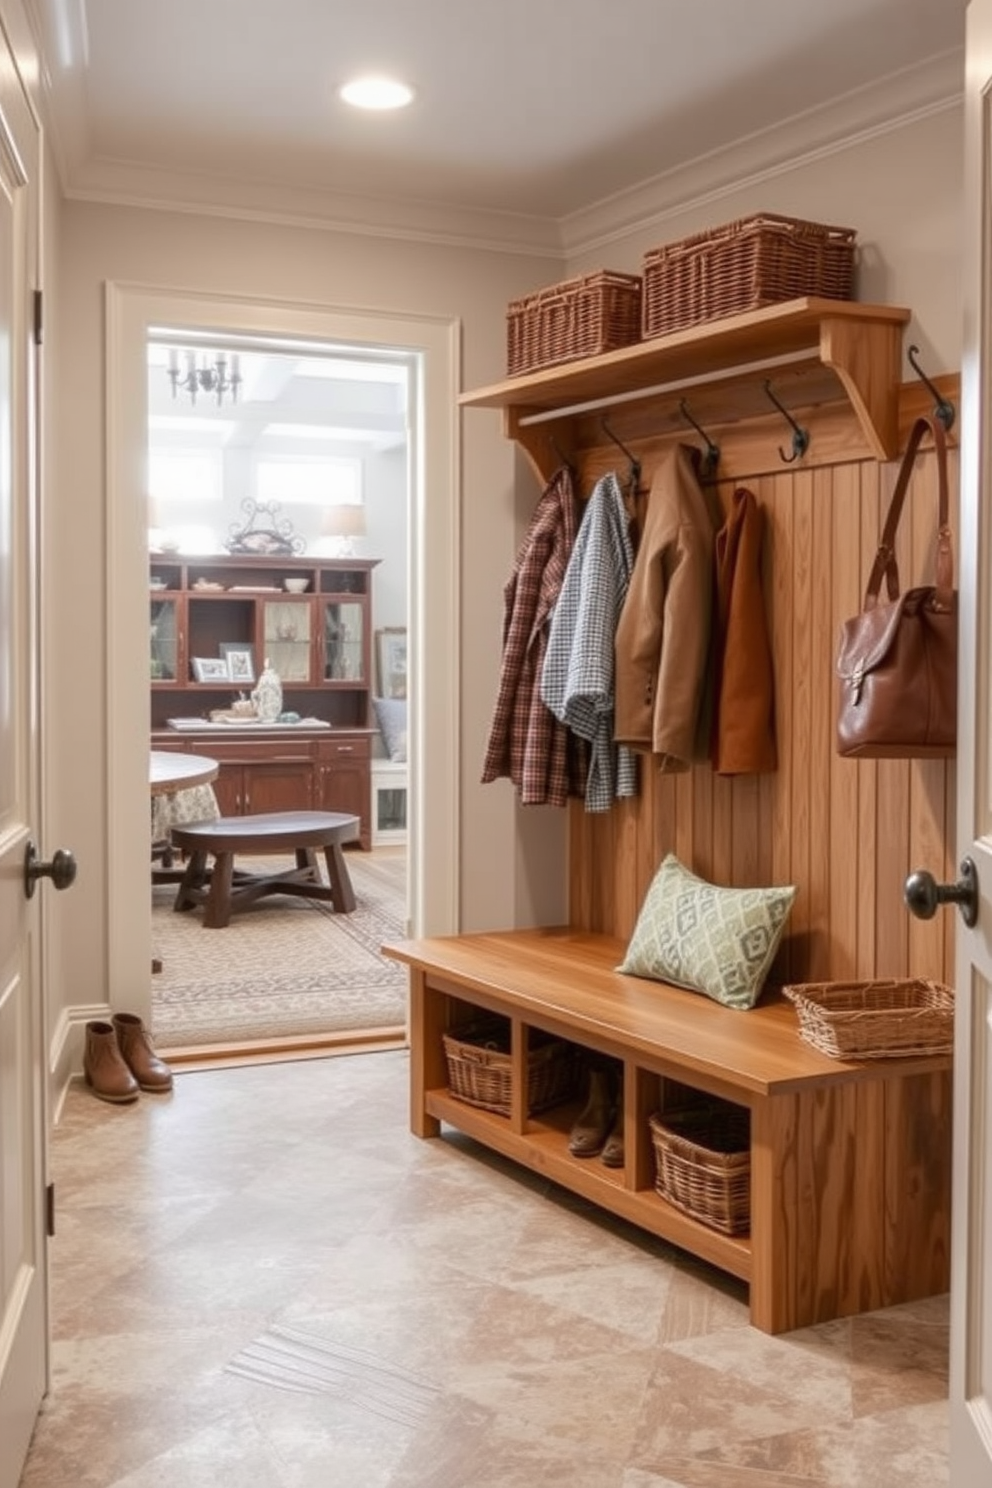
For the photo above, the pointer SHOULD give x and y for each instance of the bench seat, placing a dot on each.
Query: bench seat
(850, 1162)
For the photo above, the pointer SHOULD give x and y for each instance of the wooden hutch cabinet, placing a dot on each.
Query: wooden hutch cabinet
(311, 620)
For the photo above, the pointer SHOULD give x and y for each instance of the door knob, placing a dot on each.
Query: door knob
(924, 895)
(61, 869)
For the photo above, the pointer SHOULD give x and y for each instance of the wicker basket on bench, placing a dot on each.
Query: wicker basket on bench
(875, 1020)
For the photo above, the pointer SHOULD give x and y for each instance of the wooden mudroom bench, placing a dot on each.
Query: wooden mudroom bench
(850, 1162)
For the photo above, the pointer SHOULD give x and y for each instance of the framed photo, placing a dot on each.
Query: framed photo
(240, 661)
(210, 669)
(390, 660)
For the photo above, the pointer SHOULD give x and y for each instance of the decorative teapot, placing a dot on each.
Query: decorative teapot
(267, 694)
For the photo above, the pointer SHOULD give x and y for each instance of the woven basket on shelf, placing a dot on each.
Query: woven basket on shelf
(703, 1164)
(760, 260)
(480, 1071)
(579, 318)
(875, 1020)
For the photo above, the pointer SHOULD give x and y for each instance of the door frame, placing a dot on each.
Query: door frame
(433, 580)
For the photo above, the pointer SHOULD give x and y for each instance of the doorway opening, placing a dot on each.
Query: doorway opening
(428, 348)
(298, 458)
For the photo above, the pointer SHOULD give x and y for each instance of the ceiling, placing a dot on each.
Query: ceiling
(528, 113)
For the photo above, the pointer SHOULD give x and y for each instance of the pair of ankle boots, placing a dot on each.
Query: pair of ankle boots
(598, 1129)
(119, 1060)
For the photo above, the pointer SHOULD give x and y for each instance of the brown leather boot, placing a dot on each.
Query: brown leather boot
(138, 1052)
(592, 1125)
(103, 1066)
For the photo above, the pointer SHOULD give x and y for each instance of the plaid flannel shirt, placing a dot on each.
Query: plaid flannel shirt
(526, 742)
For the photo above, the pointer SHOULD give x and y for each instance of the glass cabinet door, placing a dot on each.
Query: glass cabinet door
(344, 627)
(164, 640)
(287, 634)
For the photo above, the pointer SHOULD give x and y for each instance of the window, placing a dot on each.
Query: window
(308, 482)
(185, 475)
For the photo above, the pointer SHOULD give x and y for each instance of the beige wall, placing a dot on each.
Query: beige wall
(901, 190)
(211, 255)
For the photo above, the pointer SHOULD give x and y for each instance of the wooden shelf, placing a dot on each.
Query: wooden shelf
(543, 1149)
(859, 346)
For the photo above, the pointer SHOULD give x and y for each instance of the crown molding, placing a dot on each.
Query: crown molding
(890, 103)
(61, 42)
(125, 183)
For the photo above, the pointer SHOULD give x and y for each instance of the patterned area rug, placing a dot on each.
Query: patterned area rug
(284, 967)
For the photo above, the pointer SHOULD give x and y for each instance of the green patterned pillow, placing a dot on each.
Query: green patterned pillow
(709, 939)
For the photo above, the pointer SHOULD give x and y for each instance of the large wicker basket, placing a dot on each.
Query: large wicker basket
(579, 318)
(703, 1164)
(875, 1020)
(480, 1071)
(760, 260)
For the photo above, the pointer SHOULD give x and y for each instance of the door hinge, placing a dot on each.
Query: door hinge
(50, 1210)
(37, 317)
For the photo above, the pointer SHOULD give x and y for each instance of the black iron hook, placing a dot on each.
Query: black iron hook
(944, 410)
(800, 436)
(712, 457)
(635, 464)
(562, 457)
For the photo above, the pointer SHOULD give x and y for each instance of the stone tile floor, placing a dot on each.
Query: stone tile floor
(265, 1280)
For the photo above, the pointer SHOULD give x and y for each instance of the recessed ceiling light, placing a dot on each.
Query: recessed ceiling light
(376, 93)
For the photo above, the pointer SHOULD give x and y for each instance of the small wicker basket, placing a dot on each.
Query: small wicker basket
(581, 317)
(760, 260)
(875, 1020)
(480, 1071)
(703, 1164)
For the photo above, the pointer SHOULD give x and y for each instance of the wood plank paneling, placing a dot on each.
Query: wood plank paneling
(846, 832)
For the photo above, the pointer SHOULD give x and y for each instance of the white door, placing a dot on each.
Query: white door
(971, 1270)
(23, 1280)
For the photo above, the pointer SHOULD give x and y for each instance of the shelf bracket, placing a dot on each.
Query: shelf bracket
(866, 357)
(537, 442)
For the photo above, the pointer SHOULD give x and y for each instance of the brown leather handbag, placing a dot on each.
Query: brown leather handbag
(898, 660)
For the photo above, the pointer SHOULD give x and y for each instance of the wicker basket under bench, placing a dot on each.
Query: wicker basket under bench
(829, 1139)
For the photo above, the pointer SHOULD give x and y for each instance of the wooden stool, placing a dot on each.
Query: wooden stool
(222, 889)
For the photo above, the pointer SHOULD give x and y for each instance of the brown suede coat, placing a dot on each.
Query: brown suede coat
(663, 635)
(743, 740)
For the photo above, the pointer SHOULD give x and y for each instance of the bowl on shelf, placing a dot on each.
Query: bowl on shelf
(295, 586)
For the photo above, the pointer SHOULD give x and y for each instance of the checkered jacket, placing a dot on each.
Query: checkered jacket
(578, 678)
(526, 742)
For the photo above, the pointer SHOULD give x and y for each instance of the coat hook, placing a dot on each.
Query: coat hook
(562, 457)
(712, 456)
(635, 464)
(944, 410)
(800, 436)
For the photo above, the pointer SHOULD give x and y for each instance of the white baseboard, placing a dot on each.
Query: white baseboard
(65, 1054)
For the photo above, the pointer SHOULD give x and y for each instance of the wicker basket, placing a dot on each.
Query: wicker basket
(579, 318)
(742, 266)
(875, 1020)
(703, 1164)
(479, 1068)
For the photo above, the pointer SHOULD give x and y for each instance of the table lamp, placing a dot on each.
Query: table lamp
(343, 521)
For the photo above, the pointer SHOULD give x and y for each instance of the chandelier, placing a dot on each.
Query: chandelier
(208, 374)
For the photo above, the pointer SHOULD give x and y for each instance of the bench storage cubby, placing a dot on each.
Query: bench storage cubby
(849, 1171)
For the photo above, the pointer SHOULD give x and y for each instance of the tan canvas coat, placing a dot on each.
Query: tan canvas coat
(663, 637)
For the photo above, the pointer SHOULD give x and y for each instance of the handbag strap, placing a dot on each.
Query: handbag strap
(885, 558)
